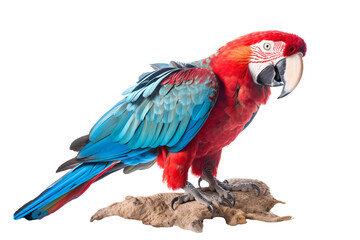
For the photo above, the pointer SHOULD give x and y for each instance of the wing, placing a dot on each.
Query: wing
(167, 107)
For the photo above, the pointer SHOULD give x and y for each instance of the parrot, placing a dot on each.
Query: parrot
(180, 116)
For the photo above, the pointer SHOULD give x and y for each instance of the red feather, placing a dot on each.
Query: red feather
(191, 74)
(239, 97)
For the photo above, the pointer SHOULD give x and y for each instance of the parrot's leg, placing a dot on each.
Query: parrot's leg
(192, 193)
(224, 188)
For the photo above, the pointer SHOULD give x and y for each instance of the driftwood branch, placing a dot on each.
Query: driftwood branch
(156, 211)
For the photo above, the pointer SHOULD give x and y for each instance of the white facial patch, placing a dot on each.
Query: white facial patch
(256, 67)
(266, 51)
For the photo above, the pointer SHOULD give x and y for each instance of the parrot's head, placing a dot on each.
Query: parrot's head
(272, 59)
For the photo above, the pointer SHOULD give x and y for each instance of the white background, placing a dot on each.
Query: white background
(64, 63)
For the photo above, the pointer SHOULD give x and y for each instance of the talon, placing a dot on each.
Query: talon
(199, 181)
(226, 181)
(254, 186)
(227, 201)
(232, 197)
(212, 210)
(173, 201)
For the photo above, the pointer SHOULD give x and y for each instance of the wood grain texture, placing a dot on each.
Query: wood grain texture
(155, 210)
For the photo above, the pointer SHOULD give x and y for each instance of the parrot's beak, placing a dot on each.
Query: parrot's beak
(285, 72)
(292, 72)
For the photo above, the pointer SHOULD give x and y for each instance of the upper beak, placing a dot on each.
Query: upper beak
(286, 72)
(292, 74)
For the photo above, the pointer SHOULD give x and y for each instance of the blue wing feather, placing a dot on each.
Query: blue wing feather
(179, 133)
(162, 134)
(190, 132)
(167, 107)
(71, 180)
(151, 142)
(97, 129)
(170, 133)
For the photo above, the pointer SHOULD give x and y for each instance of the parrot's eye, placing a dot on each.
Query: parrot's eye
(267, 46)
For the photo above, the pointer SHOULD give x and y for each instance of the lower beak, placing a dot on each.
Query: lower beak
(292, 74)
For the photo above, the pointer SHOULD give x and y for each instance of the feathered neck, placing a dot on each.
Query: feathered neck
(236, 81)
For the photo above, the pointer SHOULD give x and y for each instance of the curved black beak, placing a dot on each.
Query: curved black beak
(271, 76)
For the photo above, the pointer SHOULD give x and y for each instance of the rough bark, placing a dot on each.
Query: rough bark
(156, 211)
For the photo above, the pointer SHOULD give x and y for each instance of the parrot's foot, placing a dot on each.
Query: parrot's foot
(192, 193)
(224, 188)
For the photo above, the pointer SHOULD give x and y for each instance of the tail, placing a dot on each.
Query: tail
(67, 188)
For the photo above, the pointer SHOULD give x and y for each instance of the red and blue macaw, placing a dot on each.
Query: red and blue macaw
(181, 116)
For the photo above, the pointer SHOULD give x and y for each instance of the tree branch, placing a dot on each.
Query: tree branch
(155, 210)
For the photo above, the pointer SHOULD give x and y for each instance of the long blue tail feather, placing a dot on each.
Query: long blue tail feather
(44, 204)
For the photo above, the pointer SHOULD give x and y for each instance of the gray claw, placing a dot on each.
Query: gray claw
(173, 201)
(254, 186)
(232, 197)
(212, 210)
(226, 181)
(227, 201)
(199, 181)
